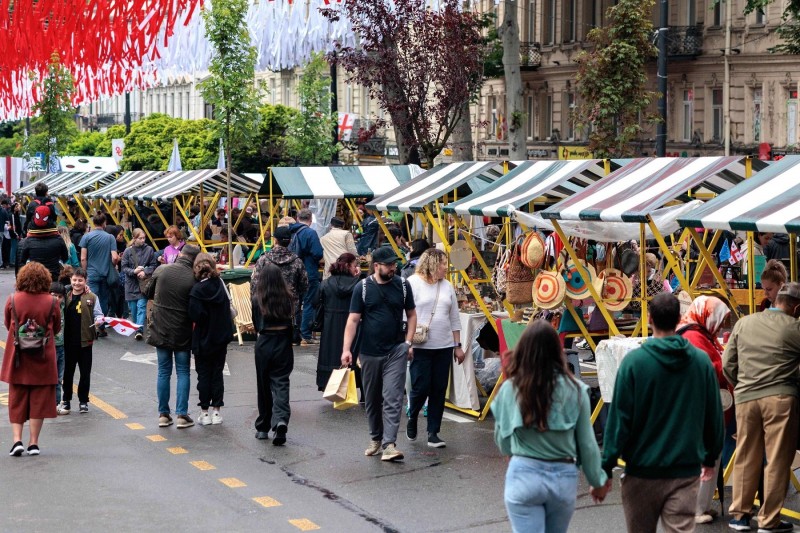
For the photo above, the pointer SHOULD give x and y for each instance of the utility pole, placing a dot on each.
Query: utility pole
(661, 128)
(726, 86)
(127, 113)
(335, 109)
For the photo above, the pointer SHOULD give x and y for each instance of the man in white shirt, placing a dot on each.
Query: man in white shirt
(336, 242)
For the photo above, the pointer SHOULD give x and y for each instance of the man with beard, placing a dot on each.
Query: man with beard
(378, 303)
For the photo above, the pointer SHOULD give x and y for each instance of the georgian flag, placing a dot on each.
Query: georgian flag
(736, 254)
(122, 326)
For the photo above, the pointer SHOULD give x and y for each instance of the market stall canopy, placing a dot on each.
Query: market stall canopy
(88, 182)
(173, 184)
(551, 180)
(769, 201)
(339, 181)
(465, 178)
(51, 180)
(79, 163)
(127, 182)
(644, 185)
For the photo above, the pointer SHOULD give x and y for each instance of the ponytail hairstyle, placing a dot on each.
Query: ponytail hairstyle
(775, 271)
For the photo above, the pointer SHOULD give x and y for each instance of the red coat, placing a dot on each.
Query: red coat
(698, 339)
(31, 370)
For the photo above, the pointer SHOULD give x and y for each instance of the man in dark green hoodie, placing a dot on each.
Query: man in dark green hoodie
(665, 422)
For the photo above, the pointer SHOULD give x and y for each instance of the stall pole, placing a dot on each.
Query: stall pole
(672, 263)
(751, 274)
(131, 209)
(192, 229)
(389, 238)
(65, 209)
(701, 263)
(643, 278)
(706, 255)
(793, 256)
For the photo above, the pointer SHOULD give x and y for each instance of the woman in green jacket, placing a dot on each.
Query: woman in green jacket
(542, 421)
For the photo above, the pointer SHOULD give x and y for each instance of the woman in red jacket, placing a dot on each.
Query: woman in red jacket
(31, 375)
(700, 325)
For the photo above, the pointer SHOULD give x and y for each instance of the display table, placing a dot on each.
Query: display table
(609, 354)
(463, 392)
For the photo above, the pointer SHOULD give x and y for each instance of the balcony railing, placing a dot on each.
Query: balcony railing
(530, 56)
(685, 41)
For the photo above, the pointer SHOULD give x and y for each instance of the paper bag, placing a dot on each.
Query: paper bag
(352, 394)
(336, 389)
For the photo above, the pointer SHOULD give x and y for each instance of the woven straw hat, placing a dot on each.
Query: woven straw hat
(577, 287)
(615, 288)
(549, 289)
(532, 253)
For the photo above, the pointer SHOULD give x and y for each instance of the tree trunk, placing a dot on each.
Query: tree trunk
(462, 136)
(515, 114)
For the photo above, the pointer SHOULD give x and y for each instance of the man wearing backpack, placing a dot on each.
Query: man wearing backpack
(43, 243)
(377, 304)
(306, 245)
(45, 220)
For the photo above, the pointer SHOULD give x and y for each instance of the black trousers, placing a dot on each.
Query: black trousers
(430, 372)
(274, 363)
(82, 358)
(210, 385)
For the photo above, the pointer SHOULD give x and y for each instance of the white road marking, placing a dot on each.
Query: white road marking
(152, 359)
(458, 418)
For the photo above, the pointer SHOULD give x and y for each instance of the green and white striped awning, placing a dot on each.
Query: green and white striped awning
(124, 185)
(51, 180)
(644, 185)
(551, 180)
(769, 202)
(467, 178)
(339, 181)
(88, 182)
(173, 184)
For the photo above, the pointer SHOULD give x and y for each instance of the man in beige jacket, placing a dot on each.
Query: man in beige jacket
(336, 242)
(761, 362)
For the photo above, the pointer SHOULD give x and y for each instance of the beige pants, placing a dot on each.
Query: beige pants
(764, 426)
(646, 500)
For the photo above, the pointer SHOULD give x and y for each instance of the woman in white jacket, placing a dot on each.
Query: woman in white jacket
(437, 308)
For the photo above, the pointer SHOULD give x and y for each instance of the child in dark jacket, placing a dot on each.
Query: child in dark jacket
(209, 306)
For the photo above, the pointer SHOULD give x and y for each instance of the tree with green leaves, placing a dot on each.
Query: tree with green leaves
(230, 87)
(149, 144)
(55, 109)
(268, 149)
(612, 79)
(308, 142)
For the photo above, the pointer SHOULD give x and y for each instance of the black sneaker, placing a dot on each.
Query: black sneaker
(280, 435)
(102, 333)
(411, 429)
(435, 442)
(83, 408)
(781, 526)
(33, 449)
(17, 449)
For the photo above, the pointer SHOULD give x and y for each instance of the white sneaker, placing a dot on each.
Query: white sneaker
(204, 419)
(216, 418)
(63, 408)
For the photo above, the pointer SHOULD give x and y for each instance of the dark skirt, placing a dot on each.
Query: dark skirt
(27, 402)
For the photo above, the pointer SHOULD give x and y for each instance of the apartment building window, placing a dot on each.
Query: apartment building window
(688, 114)
(529, 117)
(716, 115)
(719, 14)
(791, 117)
(208, 111)
(287, 93)
(348, 99)
(548, 22)
(531, 18)
(187, 105)
(172, 105)
(569, 18)
(179, 105)
(150, 107)
(757, 103)
(546, 117)
(493, 111)
(691, 12)
(760, 18)
(365, 103)
(568, 117)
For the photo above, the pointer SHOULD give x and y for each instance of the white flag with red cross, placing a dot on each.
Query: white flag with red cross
(122, 326)
(346, 123)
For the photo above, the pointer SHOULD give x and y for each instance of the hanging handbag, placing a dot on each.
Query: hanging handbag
(351, 399)
(500, 273)
(30, 338)
(234, 312)
(336, 389)
(421, 332)
(520, 280)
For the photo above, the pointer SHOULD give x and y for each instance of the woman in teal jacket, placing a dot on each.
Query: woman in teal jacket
(542, 421)
(73, 260)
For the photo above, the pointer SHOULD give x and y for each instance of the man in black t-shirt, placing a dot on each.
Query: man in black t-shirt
(378, 303)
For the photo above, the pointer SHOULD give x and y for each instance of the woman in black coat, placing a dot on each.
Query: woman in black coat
(209, 305)
(334, 295)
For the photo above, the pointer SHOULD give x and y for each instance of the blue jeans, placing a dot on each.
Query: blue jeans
(308, 308)
(138, 310)
(100, 288)
(60, 363)
(165, 356)
(540, 495)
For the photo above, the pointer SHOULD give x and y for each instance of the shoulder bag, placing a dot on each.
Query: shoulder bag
(234, 312)
(421, 332)
(319, 313)
(30, 338)
(144, 283)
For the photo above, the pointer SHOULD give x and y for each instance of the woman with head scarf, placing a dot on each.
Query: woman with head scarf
(700, 325)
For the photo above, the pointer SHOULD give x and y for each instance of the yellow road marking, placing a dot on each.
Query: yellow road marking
(111, 411)
(4, 398)
(134, 425)
(232, 482)
(266, 501)
(177, 450)
(304, 524)
(157, 438)
(203, 465)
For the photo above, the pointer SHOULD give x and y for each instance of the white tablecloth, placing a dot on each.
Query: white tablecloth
(609, 354)
(463, 389)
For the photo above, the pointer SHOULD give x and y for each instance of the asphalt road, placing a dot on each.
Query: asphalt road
(114, 469)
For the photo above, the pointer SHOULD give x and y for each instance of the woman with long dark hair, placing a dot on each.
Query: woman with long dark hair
(272, 315)
(542, 421)
(334, 296)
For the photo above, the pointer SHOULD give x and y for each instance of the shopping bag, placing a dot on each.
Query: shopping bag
(336, 389)
(352, 394)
